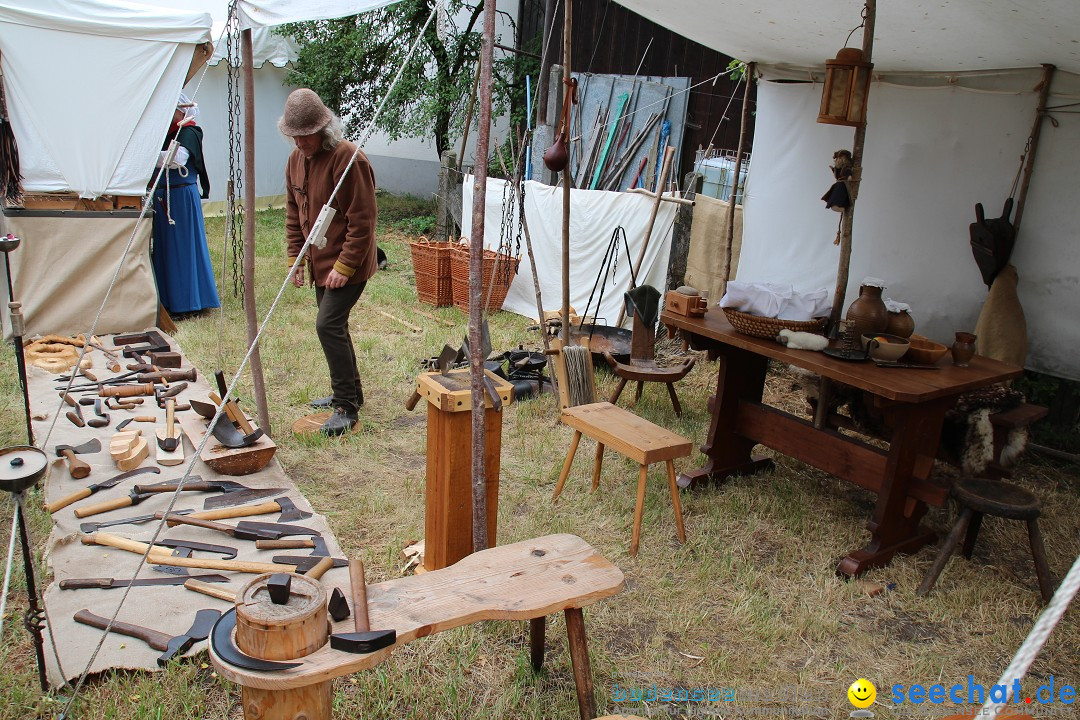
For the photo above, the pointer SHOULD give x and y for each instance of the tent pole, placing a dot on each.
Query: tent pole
(1033, 141)
(568, 18)
(249, 229)
(476, 309)
(856, 178)
(725, 272)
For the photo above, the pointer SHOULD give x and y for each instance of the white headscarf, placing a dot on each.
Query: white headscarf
(189, 108)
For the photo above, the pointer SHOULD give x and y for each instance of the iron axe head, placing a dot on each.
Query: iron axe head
(289, 511)
(199, 630)
(91, 446)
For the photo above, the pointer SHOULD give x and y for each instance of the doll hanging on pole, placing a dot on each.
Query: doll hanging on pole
(838, 197)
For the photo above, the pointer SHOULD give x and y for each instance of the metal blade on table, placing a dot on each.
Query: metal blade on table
(240, 497)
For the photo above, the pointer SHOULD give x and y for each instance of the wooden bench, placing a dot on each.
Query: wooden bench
(640, 440)
(528, 580)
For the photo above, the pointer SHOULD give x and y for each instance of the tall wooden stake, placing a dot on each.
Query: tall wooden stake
(848, 219)
(249, 230)
(725, 271)
(568, 17)
(476, 258)
(1033, 142)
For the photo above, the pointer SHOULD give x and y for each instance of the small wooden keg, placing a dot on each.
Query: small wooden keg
(292, 630)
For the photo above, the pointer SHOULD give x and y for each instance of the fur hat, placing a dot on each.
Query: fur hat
(305, 114)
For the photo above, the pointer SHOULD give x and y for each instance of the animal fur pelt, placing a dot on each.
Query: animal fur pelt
(967, 436)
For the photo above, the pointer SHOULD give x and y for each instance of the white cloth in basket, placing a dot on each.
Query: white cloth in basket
(776, 301)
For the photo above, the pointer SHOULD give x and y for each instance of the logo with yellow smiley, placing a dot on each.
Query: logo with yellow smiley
(861, 694)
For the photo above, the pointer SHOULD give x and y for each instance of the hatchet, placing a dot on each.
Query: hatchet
(170, 645)
(364, 640)
(91, 489)
(77, 468)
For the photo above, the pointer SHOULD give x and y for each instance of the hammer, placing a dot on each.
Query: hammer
(76, 467)
(364, 640)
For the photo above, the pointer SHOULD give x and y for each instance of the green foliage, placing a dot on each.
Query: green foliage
(351, 62)
(737, 69)
(420, 225)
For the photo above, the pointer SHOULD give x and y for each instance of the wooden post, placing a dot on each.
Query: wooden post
(443, 219)
(537, 627)
(725, 271)
(268, 631)
(848, 219)
(476, 255)
(1033, 142)
(568, 17)
(680, 234)
(579, 658)
(249, 231)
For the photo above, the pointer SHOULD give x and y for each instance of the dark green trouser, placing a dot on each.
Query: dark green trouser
(332, 325)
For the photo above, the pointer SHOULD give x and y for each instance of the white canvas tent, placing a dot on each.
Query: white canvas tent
(951, 107)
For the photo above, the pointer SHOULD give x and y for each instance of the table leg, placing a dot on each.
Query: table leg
(537, 627)
(895, 524)
(579, 657)
(741, 377)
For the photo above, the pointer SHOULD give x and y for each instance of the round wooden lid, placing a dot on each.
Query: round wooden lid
(255, 607)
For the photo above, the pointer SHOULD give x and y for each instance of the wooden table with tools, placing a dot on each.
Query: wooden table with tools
(912, 401)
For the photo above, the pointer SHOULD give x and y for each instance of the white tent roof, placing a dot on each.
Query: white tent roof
(911, 35)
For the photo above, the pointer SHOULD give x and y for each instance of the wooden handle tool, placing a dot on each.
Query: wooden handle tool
(234, 413)
(210, 589)
(320, 568)
(105, 506)
(72, 498)
(76, 467)
(265, 508)
(285, 544)
(126, 390)
(153, 638)
(359, 596)
(164, 558)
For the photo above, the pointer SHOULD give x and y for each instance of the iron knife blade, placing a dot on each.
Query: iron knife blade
(240, 497)
(89, 527)
(282, 528)
(110, 583)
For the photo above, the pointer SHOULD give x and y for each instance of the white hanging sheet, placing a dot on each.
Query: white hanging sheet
(594, 215)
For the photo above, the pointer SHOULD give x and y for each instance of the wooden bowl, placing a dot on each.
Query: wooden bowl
(884, 347)
(925, 351)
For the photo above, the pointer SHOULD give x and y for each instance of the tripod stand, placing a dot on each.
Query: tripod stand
(21, 467)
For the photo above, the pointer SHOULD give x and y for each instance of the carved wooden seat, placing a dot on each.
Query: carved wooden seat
(611, 426)
(976, 497)
(642, 367)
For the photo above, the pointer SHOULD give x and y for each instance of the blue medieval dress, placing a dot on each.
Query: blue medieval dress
(185, 277)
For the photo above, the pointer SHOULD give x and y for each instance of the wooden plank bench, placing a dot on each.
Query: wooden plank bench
(527, 580)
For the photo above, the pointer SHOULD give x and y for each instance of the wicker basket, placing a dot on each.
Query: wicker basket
(431, 266)
(459, 272)
(764, 327)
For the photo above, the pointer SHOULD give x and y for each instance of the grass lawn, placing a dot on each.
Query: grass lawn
(750, 602)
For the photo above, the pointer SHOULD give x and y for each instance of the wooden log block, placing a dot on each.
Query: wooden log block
(272, 631)
(228, 461)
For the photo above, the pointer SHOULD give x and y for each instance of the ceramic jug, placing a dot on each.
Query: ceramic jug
(868, 312)
(963, 349)
(900, 324)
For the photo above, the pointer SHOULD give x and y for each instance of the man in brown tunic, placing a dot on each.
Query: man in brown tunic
(340, 270)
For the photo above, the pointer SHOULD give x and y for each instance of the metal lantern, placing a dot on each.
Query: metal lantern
(847, 86)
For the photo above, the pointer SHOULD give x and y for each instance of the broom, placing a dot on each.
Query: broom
(10, 177)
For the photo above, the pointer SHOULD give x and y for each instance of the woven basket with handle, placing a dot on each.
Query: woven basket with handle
(764, 327)
(431, 266)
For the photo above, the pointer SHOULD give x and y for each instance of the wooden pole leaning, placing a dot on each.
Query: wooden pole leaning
(848, 219)
(250, 314)
(725, 271)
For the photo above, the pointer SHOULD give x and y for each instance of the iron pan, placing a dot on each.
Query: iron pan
(534, 361)
(614, 340)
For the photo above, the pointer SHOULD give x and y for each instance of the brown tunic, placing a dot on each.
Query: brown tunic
(350, 239)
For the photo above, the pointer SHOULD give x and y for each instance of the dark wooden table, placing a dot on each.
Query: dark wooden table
(913, 403)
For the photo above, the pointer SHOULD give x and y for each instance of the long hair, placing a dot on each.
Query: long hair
(332, 134)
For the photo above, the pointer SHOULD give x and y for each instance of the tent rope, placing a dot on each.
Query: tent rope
(1035, 640)
(163, 523)
(8, 568)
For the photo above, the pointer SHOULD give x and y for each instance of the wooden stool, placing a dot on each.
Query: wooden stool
(977, 497)
(635, 437)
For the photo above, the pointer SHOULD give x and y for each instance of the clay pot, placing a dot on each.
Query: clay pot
(963, 349)
(900, 323)
(868, 313)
